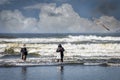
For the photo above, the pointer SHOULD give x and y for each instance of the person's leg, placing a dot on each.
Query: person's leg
(61, 57)
(25, 57)
(22, 57)
(57, 60)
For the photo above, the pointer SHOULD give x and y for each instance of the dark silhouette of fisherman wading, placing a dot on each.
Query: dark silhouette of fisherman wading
(24, 52)
(61, 50)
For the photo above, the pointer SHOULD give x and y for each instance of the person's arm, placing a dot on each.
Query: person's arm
(63, 49)
(58, 50)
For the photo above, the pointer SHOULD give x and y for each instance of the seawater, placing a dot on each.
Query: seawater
(75, 44)
(63, 72)
(65, 38)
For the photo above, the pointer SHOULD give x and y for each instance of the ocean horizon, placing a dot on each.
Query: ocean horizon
(39, 35)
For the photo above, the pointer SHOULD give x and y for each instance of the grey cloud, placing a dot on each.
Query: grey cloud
(4, 2)
(107, 7)
(54, 19)
(54, 14)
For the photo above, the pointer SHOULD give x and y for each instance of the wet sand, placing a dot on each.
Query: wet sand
(51, 61)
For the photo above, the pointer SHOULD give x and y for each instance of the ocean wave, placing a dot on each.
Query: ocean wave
(75, 45)
(69, 39)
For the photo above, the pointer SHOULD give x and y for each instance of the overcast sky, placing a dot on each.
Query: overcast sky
(59, 16)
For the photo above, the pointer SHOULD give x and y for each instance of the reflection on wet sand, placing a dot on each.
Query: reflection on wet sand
(24, 73)
(60, 72)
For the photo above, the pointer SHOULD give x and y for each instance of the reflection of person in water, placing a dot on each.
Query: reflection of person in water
(61, 50)
(24, 72)
(61, 72)
(61, 68)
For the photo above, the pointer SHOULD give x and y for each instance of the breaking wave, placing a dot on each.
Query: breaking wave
(80, 45)
(68, 39)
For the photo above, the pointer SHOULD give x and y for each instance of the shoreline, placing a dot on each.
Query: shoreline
(51, 61)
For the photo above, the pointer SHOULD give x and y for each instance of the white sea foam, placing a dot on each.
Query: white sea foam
(67, 39)
(47, 46)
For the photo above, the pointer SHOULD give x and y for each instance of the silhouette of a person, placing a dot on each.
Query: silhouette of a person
(24, 52)
(61, 50)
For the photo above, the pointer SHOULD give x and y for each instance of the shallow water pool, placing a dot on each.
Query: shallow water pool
(63, 72)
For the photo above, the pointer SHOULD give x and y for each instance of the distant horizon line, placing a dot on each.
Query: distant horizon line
(66, 33)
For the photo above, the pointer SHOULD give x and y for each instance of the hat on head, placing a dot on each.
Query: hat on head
(59, 45)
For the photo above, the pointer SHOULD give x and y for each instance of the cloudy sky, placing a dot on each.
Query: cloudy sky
(59, 16)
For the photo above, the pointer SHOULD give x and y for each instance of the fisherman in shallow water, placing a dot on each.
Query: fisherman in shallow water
(24, 52)
(61, 50)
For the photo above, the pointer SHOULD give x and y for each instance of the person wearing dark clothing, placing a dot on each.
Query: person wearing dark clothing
(61, 50)
(24, 53)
